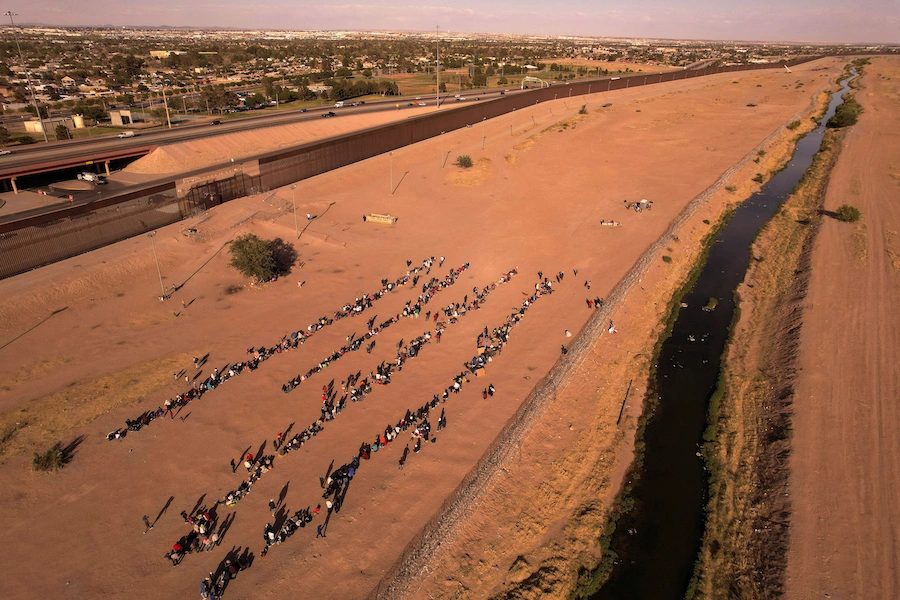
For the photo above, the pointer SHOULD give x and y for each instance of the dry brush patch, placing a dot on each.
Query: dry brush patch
(55, 417)
(748, 440)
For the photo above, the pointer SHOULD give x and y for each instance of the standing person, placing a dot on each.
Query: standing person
(147, 525)
(233, 466)
(441, 264)
(272, 506)
(319, 532)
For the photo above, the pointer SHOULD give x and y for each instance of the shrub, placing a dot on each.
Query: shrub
(253, 257)
(464, 161)
(847, 214)
(706, 221)
(731, 188)
(667, 258)
(846, 114)
(794, 125)
(758, 178)
(583, 109)
(51, 460)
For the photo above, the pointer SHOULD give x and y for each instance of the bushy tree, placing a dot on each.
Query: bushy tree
(847, 214)
(253, 257)
(62, 132)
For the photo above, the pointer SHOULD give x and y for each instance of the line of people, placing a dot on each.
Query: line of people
(353, 343)
(288, 342)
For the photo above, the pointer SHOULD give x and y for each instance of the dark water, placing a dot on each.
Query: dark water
(657, 542)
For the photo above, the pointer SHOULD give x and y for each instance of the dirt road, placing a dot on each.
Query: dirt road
(845, 466)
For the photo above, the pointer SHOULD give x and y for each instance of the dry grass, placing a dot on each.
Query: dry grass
(473, 176)
(45, 421)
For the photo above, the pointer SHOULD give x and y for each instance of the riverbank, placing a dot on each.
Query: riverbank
(844, 481)
(746, 442)
(535, 531)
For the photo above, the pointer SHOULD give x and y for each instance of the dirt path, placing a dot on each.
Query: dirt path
(535, 206)
(845, 481)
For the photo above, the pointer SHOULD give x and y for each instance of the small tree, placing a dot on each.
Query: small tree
(464, 161)
(847, 214)
(62, 132)
(253, 257)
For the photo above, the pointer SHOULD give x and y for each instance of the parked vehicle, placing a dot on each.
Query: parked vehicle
(126, 134)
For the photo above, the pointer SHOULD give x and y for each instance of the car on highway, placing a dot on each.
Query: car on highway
(216, 122)
(126, 134)
(330, 113)
(5, 152)
(422, 104)
(460, 98)
(302, 110)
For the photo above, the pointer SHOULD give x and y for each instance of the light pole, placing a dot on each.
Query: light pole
(483, 136)
(437, 32)
(294, 203)
(392, 173)
(443, 143)
(158, 272)
(37, 110)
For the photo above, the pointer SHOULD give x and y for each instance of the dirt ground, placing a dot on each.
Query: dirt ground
(845, 463)
(90, 332)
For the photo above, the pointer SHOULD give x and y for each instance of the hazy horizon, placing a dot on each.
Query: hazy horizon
(826, 21)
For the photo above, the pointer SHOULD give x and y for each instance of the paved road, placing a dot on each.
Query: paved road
(46, 157)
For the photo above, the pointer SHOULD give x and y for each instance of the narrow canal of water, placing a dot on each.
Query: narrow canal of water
(658, 541)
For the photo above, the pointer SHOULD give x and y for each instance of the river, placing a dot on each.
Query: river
(658, 541)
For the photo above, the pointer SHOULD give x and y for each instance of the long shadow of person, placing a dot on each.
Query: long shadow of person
(164, 509)
(259, 453)
(283, 493)
(225, 526)
(197, 505)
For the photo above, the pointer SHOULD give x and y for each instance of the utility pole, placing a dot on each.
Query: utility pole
(437, 31)
(392, 173)
(166, 104)
(37, 110)
(294, 203)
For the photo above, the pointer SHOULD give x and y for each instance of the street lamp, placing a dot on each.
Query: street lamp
(158, 272)
(443, 143)
(37, 110)
(294, 203)
(392, 173)
(483, 136)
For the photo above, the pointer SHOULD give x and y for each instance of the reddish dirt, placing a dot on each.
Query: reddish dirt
(535, 205)
(845, 465)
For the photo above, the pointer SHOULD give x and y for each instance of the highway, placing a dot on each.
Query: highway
(42, 157)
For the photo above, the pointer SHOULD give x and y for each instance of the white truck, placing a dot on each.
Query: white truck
(126, 134)
(92, 177)
(339, 104)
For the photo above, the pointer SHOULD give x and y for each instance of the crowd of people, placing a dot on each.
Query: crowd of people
(263, 353)
(417, 423)
(429, 289)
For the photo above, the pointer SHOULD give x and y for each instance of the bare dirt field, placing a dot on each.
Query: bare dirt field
(845, 464)
(86, 344)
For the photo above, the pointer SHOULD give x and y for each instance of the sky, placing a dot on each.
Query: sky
(839, 21)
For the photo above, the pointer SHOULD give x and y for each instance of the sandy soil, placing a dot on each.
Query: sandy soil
(538, 206)
(845, 479)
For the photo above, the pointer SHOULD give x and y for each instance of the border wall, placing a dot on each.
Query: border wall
(61, 233)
